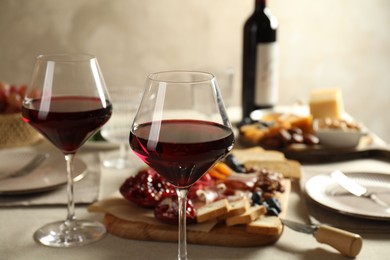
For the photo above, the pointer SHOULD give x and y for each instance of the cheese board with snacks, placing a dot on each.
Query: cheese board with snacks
(310, 135)
(236, 209)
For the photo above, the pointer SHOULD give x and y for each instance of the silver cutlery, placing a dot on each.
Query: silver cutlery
(355, 188)
(28, 168)
(347, 243)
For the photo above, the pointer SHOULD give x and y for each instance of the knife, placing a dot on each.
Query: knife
(347, 243)
(355, 188)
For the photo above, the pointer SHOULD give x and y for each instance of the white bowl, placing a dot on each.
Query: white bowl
(338, 137)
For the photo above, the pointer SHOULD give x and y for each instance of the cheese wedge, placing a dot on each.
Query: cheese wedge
(257, 154)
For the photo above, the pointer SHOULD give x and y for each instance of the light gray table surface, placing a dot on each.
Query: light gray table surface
(19, 223)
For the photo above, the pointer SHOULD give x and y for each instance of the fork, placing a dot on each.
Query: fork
(28, 168)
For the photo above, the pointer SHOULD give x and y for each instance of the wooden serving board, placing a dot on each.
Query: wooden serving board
(220, 234)
(370, 147)
(328, 155)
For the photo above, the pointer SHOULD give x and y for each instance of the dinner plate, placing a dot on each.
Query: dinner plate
(49, 175)
(325, 191)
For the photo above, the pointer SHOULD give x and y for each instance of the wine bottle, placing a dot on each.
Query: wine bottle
(260, 60)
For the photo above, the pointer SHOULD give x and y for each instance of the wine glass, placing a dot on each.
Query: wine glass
(125, 101)
(67, 103)
(181, 129)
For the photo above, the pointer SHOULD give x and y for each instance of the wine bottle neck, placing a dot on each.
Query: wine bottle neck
(260, 4)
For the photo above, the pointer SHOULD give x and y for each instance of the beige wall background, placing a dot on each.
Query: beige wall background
(323, 43)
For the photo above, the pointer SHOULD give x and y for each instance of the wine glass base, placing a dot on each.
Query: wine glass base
(118, 163)
(70, 233)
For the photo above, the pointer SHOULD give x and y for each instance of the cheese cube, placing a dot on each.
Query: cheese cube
(326, 102)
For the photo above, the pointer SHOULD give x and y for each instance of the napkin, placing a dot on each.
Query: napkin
(86, 190)
(117, 206)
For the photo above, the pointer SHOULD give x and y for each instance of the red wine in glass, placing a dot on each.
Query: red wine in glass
(70, 120)
(181, 129)
(67, 102)
(184, 149)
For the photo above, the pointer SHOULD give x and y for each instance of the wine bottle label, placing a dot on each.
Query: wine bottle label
(266, 83)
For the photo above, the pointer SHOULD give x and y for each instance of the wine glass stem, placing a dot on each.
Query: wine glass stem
(69, 169)
(182, 239)
(123, 151)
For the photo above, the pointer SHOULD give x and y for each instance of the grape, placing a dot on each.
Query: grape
(11, 98)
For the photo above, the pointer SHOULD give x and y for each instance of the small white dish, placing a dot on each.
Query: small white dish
(337, 137)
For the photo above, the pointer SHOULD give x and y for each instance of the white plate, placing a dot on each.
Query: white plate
(325, 191)
(99, 145)
(49, 175)
(298, 110)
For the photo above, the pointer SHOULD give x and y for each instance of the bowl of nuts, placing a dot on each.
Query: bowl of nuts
(13, 130)
(338, 133)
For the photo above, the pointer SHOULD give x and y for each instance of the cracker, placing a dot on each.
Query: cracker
(212, 210)
(249, 216)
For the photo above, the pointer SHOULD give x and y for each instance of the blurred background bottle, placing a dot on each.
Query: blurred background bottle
(260, 60)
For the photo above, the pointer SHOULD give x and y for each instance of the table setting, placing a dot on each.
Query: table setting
(92, 206)
(48, 179)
